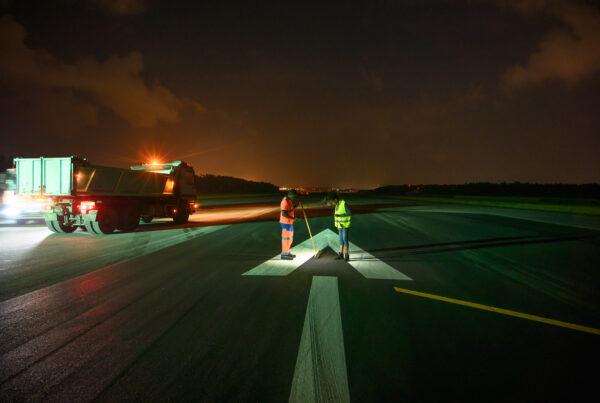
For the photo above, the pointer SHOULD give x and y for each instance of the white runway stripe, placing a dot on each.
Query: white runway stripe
(320, 374)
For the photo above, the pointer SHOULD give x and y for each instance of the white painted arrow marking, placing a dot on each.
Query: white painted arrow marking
(372, 267)
(365, 263)
(278, 267)
(320, 374)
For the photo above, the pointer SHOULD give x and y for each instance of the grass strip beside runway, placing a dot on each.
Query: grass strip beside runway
(589, 207)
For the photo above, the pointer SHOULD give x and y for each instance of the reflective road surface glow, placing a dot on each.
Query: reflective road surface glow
(437, 302)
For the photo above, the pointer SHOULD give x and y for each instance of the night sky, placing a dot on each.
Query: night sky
(371, 94)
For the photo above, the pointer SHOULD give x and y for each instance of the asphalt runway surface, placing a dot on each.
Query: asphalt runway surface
(437, 302)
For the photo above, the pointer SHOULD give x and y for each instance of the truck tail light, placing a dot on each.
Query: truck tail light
(86, 206)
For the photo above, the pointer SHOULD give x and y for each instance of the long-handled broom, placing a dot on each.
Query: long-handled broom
(317, 252)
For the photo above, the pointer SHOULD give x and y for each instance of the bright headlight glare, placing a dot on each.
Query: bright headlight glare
(11, 212)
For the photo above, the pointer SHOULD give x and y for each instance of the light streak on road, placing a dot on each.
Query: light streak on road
(19, 242)
(242, 213)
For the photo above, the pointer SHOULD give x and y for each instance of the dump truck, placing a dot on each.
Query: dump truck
(103, 199)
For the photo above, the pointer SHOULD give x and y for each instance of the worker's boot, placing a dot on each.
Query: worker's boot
(340, 256)
(347, 257)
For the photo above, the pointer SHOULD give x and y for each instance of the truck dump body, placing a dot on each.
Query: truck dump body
(44, 176)
(98, 180)
(71, 176)
(102, 199)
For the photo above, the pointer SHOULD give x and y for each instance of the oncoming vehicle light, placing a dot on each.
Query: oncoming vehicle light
(11, 211)
(86, 206)
(9, 197)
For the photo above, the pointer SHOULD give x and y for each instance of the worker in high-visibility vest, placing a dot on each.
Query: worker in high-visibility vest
(342, 218)
(286, 219)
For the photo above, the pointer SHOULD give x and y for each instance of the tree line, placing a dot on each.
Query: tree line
(588, 190)
(215, 184)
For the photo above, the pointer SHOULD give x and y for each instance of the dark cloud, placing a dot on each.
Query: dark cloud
(383, 93)
(116, 84)
(124, 7)
(374, 79)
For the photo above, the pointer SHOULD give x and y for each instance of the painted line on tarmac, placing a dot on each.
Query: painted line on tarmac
(502, 311)
(371, 267)
(278, 267)
(362, 261)
(320, 374)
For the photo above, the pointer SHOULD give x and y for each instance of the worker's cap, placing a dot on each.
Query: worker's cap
(332, 196)
(292, 193)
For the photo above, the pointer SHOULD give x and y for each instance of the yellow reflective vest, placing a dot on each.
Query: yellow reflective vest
(342, 215)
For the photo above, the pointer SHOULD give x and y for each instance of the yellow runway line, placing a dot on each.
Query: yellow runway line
(502, 311)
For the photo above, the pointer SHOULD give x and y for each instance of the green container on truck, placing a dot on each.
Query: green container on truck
(103, 199)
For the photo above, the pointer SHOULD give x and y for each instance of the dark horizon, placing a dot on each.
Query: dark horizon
(360, 96)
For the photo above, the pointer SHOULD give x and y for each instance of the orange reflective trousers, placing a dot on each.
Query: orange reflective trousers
(287, 237)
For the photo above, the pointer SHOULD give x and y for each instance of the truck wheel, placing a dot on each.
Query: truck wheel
(147, 219)
(182, 215)
(50, 226)
(129, 222)
(64, 228)
(105, 222)
(89, 226)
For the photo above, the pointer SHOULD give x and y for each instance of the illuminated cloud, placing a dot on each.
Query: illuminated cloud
(115, 84)
(196, 105)
(124, 7)
(569, 54)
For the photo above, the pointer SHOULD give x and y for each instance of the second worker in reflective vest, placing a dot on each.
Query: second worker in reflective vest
(342, 219)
